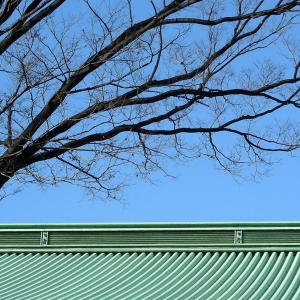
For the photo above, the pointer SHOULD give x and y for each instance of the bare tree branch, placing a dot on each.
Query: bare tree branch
(95, 93)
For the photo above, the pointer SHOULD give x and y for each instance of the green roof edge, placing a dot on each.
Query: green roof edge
(152, 225)
(118, 237)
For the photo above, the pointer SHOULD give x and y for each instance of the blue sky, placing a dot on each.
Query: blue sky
(199, 193)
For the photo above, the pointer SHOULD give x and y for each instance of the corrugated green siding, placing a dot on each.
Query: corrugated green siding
(178, 275)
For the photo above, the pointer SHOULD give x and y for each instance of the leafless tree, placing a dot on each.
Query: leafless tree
(93, 92)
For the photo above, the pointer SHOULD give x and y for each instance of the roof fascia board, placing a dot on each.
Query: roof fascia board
(151, 226)
(209, 248)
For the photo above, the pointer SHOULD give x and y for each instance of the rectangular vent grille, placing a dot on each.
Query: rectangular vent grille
(20, 238)
(269, 236)
(146, 237)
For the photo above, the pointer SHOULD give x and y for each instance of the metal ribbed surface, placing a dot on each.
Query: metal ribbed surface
(141, 276)
(19, 238)
(149, 235)
(272, 236)
(140, 237)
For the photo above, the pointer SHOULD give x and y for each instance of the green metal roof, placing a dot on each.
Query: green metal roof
(150, 261)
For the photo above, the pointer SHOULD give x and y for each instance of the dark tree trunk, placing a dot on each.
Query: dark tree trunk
(3, 179)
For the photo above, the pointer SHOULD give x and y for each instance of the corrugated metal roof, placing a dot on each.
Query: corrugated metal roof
(176, 275)
(150, 261)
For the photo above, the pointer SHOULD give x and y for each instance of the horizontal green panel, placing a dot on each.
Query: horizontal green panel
(154, 226)
(149, 237)
(268, 236)
(19, 238)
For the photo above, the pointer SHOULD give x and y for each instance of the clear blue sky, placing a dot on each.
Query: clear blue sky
(200, 193)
